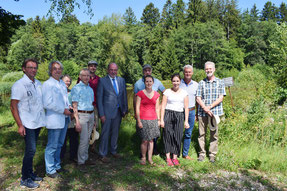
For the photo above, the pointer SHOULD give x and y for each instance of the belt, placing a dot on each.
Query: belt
(191, 109)
(82, 111)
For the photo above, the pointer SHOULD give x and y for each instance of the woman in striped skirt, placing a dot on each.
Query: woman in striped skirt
(174, 115)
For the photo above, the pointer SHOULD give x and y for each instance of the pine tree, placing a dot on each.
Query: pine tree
(150, 15)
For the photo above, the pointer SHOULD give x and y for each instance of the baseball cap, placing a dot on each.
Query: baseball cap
(147, 66)
(92, 62)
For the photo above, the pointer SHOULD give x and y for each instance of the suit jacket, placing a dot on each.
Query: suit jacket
(107, 99)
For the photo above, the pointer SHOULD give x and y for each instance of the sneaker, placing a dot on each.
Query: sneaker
(29, 183)
(212, 159)
(54, 175)
(169, 162)
(36, 178)
(175, 162)
(200, 158)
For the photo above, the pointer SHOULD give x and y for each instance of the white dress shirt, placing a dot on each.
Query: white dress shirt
(55, 101)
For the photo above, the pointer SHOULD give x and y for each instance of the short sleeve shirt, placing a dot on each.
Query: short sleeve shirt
(209, 93)
(175, 100)
(30, 104)
(147, 106)
(157, 85)
(191, 89)
(84, 95)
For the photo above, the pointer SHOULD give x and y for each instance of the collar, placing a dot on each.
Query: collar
(27, 79)
(215, 80)
(191, 82)
(112, 78)
(83, 84)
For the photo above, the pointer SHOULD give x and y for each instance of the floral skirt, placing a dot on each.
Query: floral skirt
(149, 131)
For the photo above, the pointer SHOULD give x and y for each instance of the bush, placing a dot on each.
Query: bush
(71, 68)
(12, 76)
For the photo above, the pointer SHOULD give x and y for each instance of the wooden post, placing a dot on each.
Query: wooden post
(230, 97)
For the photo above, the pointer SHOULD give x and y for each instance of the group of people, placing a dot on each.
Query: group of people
(73, 114)
(181, 105)
(67, 114)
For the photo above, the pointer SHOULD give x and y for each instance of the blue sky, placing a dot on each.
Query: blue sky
(101, 8)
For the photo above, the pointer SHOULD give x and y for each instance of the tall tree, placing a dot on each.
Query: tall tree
(269, 12)
(129, 18)
(150, 15)
(167, 15)
(254, 13)
(178, 13)
(283, 12)
(195, 11)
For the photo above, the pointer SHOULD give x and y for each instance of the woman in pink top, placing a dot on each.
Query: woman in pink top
(148, 118)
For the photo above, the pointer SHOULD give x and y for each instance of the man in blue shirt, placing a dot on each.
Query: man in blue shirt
(209, 96)
(139, 85)
(191, 87)
(82, 101)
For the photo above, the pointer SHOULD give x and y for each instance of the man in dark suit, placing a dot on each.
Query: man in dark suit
(112, 106)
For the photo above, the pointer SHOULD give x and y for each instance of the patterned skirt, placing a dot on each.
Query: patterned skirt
(149, 131)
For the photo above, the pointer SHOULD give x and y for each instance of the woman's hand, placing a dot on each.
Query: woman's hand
(158, 123)
(186, 125)
(140, 125)
(162, 124)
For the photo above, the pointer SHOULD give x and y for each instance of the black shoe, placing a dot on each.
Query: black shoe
(34, 177)
(61, 170)
(54, 175)
(29, 183)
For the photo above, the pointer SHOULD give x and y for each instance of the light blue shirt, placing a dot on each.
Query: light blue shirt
(55, 101)
(157, 85)
(116, 81)
(191, 89)
(84, 95)
(30, 105)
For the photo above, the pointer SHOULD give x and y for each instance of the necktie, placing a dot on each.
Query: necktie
(115, 86)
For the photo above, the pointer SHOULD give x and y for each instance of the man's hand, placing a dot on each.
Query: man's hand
(186, 125)
(103, 119)
(162, 124)
(67, 112)
(78, 127)
(207, 109)
(22, 131)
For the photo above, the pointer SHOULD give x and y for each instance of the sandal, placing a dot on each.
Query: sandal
(143, 161)
(151, 163)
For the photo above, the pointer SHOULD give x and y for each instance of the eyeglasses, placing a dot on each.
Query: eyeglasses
(30, 68)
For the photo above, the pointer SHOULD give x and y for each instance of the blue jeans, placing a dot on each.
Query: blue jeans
(188, 133)
(30, 150)
(56, 138)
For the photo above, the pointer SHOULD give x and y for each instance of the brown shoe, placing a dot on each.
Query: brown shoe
(187, 157)
(200, 158)
(104, 160)
(90, 162)
(116, 155)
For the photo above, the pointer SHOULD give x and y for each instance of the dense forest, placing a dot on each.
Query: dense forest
(183, 33)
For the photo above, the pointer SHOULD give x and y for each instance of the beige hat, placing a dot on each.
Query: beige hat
(94, 136)
(213, 122)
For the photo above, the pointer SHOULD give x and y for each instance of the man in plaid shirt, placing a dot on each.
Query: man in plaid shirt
(209, 96)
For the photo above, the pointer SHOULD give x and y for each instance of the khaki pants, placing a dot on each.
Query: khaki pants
(202, 126)
(87, 123)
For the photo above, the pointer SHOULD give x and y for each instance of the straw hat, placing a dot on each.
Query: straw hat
(213, 122)
(94, 136)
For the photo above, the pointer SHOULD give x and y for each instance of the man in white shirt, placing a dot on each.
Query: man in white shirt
(55, 101)
(191, 87)
(28, 112)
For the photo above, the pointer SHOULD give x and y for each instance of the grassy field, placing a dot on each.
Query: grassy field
(252, 151)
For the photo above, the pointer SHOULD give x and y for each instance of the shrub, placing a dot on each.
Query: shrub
(12, 76)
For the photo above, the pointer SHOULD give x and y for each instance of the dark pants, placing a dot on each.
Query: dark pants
(30, 138)
(173, 131)
(109, 134)
(73, 137)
